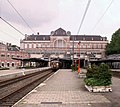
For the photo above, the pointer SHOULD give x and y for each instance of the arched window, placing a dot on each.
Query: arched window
(3, 64)
(8, 64)
(59, 43)
(13, 64)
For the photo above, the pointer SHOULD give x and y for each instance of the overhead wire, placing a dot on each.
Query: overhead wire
(8, 35)
(88, 4)
(11, 26)
(4, 42)
(0, 7)
(20, 16)
(102, 15)
(1, 41)
(3, 19)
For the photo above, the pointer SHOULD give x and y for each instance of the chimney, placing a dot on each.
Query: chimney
(37, 33)
(26, 36)
(52, 33)
(68, 33)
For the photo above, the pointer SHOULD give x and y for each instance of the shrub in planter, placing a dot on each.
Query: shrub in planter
(98, 75)
(92, 72)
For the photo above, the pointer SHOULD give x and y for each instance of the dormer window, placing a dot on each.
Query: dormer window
(74, 38)
(83, 38)
(60, 32)
(43, 38)
(103, 39)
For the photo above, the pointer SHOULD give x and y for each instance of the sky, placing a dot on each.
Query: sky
(44, 16)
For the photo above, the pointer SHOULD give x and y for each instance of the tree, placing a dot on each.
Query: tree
(114, 46)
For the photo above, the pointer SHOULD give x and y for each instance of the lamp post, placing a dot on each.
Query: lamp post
(79, 58)
(73, 52)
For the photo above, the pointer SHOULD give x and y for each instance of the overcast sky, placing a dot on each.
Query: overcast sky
(45, 16)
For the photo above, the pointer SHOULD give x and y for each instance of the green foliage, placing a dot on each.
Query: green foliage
(98, 76)
(97, 82)
(74, 67)
(114, 46)
(92, 72)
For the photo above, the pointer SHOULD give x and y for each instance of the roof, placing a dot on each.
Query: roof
(88, 38)
(105, 60)
(59, 32)
(31, 59)
(62, 32)
(13, 48)
(38, 37)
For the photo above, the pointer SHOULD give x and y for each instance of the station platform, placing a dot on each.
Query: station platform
(15, 73)
(63, 89)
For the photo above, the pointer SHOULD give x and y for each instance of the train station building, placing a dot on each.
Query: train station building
(8, 52)
(63, 44)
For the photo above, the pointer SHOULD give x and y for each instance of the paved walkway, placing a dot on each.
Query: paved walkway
(64, 89)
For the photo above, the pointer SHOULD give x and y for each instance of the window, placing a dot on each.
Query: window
(2, 64)
(43, 38)
(13, 64)
(12, 56)
(99, 46)
(84, 45)
(94, 46)
(80, 46)
(2, 55)
(48, 46)
(88, 46)
(39, 45)
(8, 65)
(34, 46)
(21, 45)
(8, 55)
(74, 38)
(25, 45)
(18, 56)
(43, 45)
(83, 38)
(30, 45)
(59, 43)
(104, 46)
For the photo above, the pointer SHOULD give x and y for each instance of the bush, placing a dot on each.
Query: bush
(98, 75)
(92, 72)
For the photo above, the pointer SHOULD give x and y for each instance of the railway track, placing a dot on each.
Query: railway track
(13, 90)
